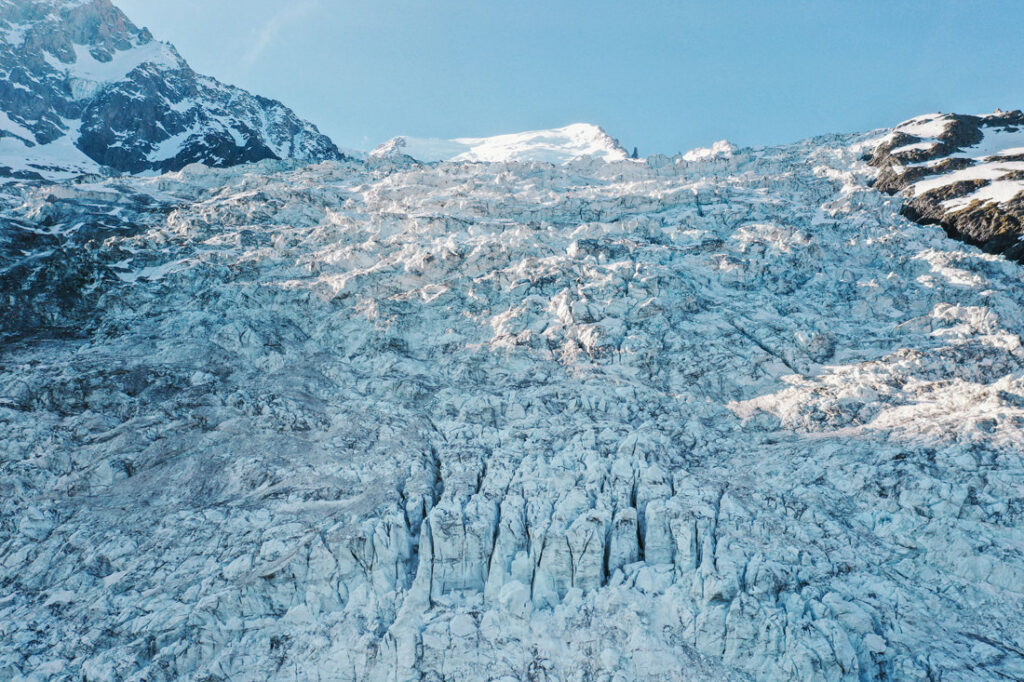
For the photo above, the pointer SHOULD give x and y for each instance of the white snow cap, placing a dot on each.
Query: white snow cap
(558, 146)
(723, 149)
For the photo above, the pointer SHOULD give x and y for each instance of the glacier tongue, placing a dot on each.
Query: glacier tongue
(730, 418)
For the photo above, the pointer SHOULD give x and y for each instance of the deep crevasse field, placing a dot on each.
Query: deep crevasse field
(510, 421)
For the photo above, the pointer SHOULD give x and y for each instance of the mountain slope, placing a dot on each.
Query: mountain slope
(965, 173)
(85, 90)
(724, 418)
(557, 146)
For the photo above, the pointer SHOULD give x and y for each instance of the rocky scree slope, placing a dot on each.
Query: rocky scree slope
(965, 173)
(734, 418)
(83, 90)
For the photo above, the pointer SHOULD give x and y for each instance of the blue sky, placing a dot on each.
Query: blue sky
(664, 75)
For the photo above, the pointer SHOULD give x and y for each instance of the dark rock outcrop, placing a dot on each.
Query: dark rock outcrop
(905, 159)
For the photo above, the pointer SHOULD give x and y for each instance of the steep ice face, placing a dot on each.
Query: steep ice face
(84, 90)
(722, 419)
(558, 146)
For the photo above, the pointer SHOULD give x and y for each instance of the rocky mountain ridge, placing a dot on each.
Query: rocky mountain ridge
(86, 91)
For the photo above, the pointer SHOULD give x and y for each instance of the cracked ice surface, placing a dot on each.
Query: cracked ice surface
(715, 420)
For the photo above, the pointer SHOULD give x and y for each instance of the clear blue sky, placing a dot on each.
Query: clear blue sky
(665, 75)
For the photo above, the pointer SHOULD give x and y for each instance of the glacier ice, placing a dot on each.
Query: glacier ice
(728, 418)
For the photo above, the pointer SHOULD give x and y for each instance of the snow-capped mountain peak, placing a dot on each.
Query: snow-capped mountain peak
(723, 149)
(85, 91)
(557, 146)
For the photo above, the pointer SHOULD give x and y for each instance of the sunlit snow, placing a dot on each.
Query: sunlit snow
(557, 146)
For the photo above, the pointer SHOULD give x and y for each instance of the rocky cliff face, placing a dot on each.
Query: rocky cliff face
(965, 173)
(84, 90)
(732, 418)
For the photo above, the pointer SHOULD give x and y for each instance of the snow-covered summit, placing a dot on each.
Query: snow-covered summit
(84, 90)
(558, 146)
(723, 149)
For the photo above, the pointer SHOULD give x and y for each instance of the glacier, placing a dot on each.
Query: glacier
(724, 417)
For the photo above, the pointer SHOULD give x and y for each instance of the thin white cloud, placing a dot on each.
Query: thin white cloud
(270, 31)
